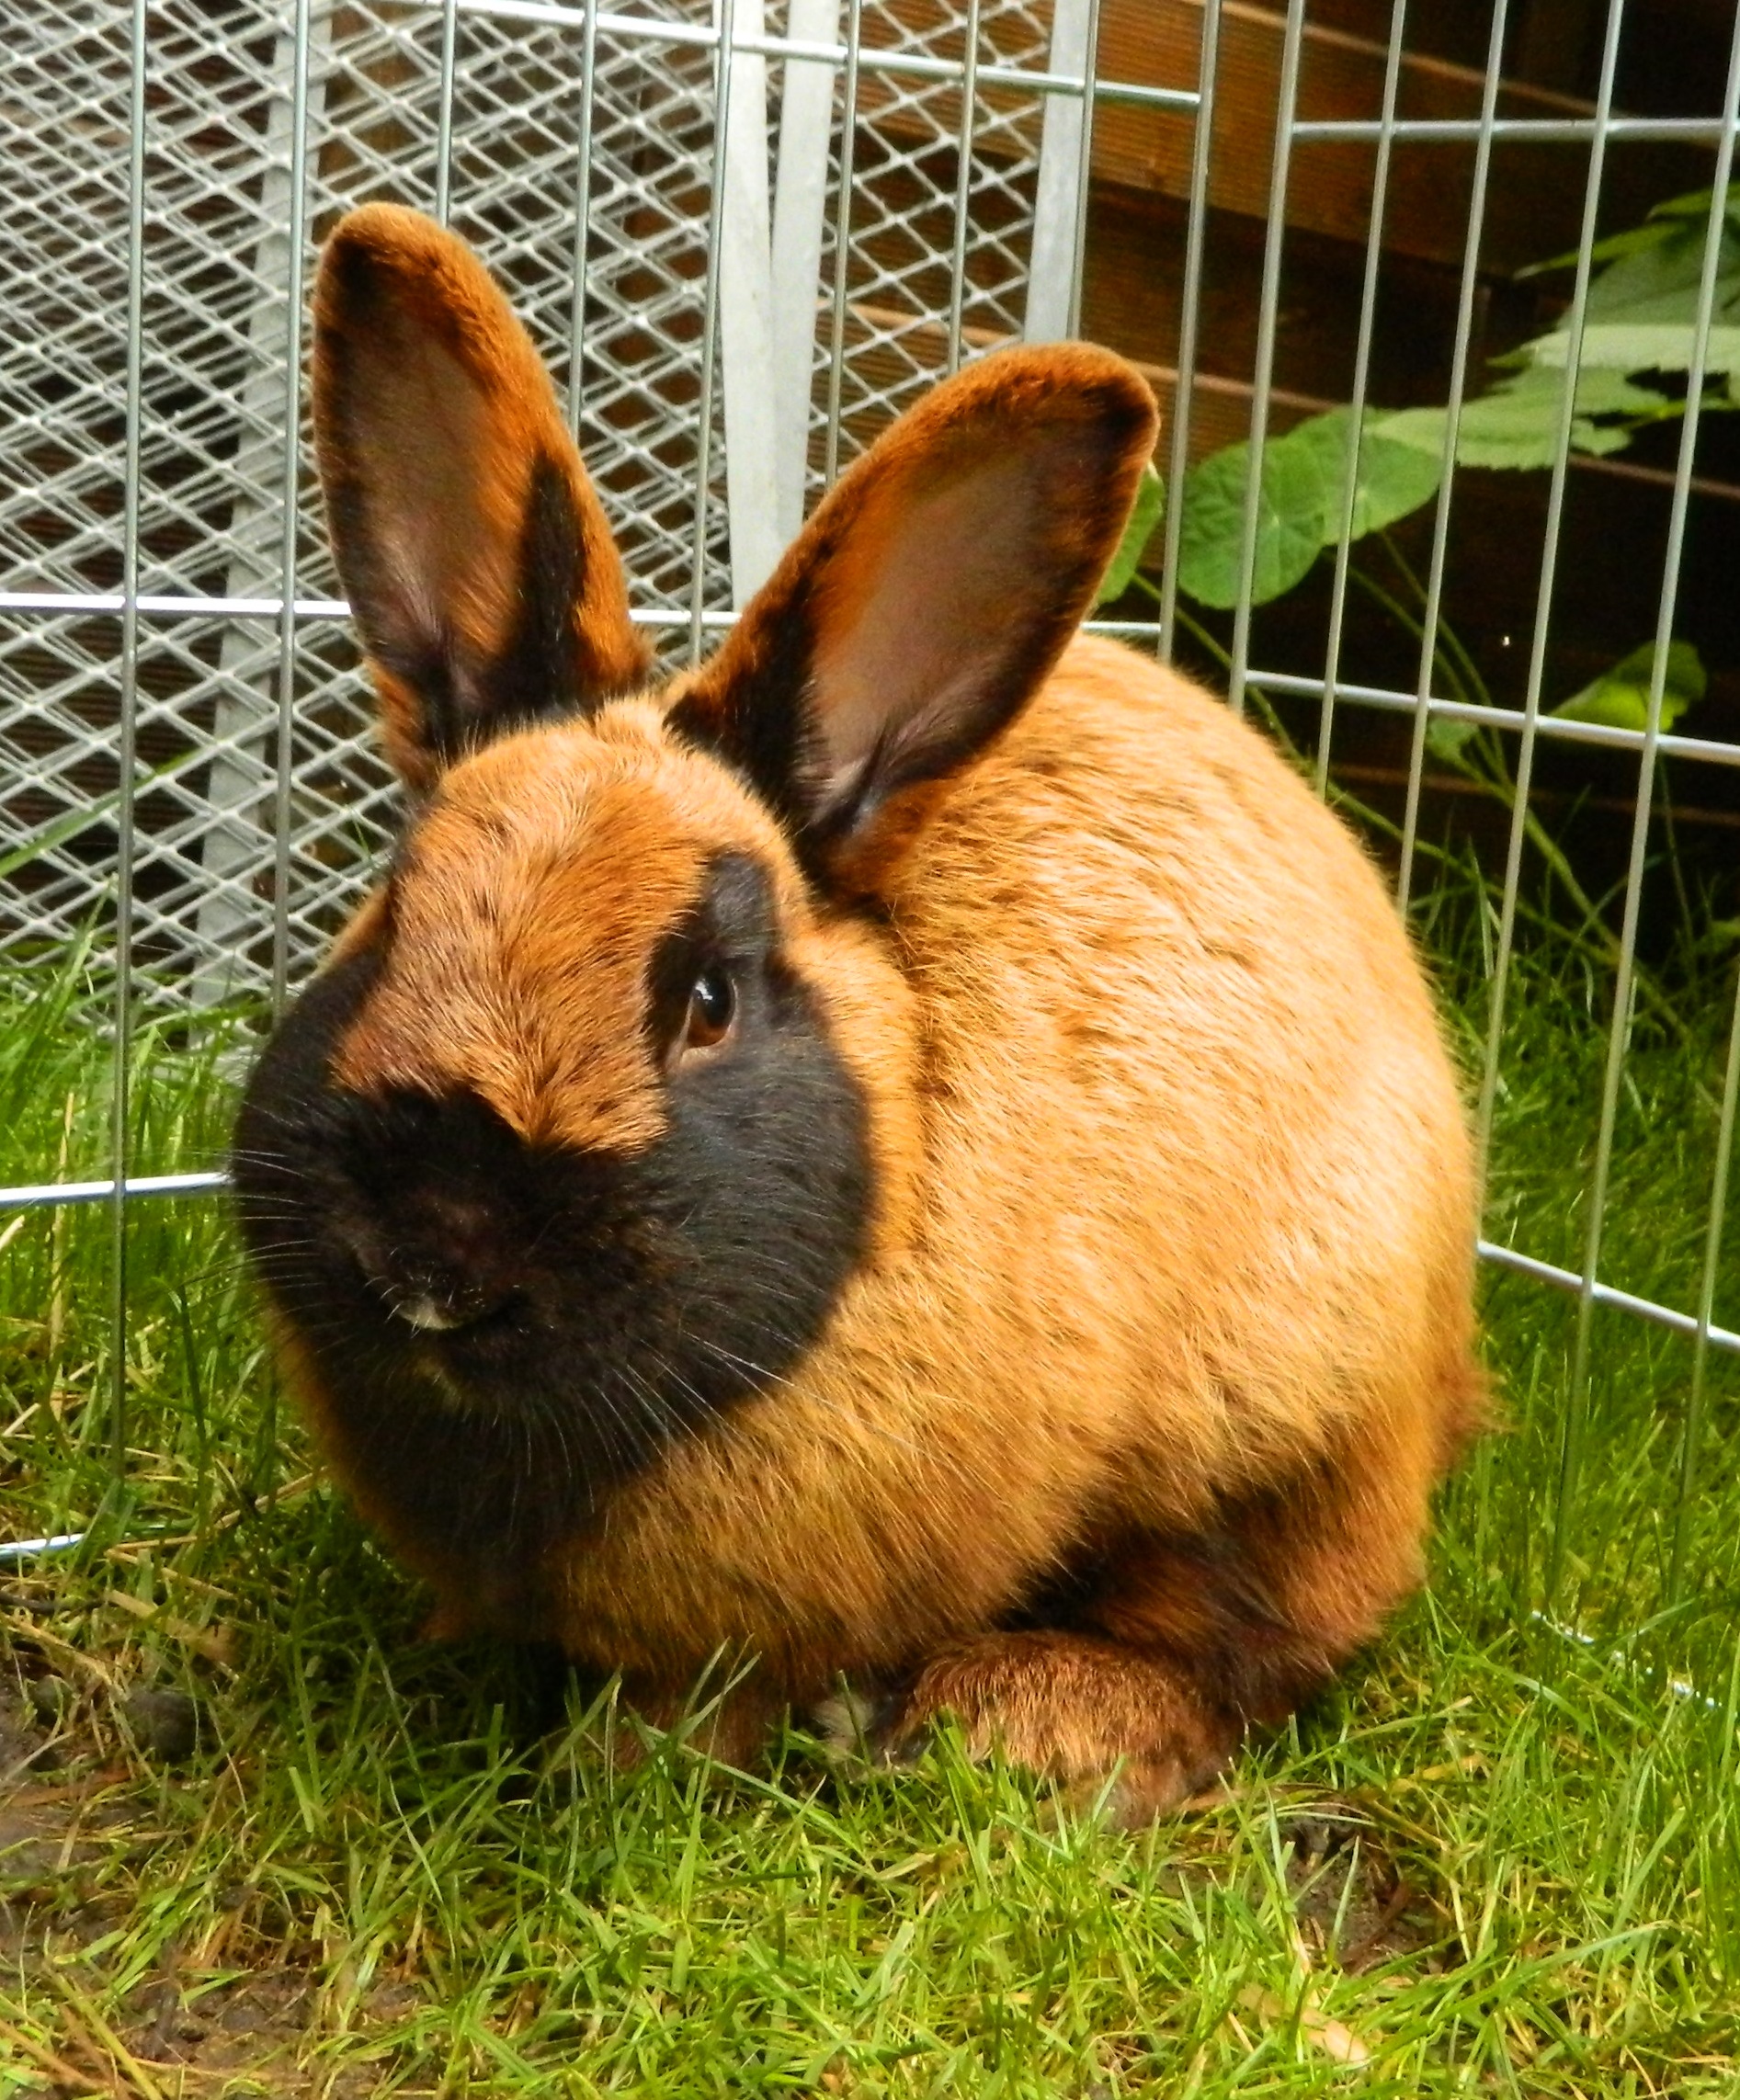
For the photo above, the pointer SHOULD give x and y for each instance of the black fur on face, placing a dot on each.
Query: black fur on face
(507, 1331)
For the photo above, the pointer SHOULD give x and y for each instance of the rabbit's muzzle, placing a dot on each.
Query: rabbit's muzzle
(495, 1333)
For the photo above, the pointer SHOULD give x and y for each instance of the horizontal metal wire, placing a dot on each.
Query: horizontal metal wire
(1706, 748)
(632, 28)
(183, 605)
(44, 1195)
(1605, 1294)
(1524, 131)
(172, 605)
(48, 1193)
(169, 606)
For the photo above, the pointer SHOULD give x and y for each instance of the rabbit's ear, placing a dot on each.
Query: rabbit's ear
(479, 568)
(921, 606)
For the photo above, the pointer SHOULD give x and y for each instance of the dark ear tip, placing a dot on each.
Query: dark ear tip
(1055, 383)
(386, 233)
(378, 238)
(387, 251)
(1116, 383)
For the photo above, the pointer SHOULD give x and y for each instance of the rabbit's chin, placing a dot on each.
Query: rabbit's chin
(445, 1389)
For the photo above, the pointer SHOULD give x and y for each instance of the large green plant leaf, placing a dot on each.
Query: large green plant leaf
(1644, 305)
(1640, 319)
(1289, 522)
(1650, 345)
(1301, 507)
(1517, 424)
(1394, 479)
(1145, 514)
(1620, 697)
(1659, 227)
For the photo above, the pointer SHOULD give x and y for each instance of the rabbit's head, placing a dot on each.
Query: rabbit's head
(611, 1087)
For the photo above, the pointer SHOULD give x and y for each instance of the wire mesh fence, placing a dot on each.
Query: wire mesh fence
(745, 233)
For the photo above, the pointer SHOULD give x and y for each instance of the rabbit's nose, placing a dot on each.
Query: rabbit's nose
(424, 1313)
(445, 1305)
(439, 1271)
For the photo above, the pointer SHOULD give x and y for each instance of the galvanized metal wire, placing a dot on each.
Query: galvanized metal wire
(854, 194)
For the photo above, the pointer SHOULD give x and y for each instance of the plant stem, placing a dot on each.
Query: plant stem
(1403, 617)
(1474, 686)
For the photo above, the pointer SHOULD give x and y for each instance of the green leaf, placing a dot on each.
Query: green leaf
(63, 828)
(1619, 697)
(1662, 283)
(1445, 737)
(1646, 347)
(1301, 507)
(1290, 522)
(1394, 479)
(1615, 245)
(1695, 204)
(1146, 513)
(1643, 306)
(1660, 227)
(1516, 426)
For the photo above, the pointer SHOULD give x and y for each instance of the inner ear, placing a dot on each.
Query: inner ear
(930, 631)
(927, 601)
(478, 562)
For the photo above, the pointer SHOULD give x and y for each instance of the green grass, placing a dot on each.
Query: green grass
(1495, 1859)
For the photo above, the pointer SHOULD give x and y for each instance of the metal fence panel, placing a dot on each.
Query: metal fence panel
(732, 311)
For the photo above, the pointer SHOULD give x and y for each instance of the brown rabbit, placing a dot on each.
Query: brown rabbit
(917, 1152)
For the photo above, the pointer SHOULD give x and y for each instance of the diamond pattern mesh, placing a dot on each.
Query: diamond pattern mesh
(223, 349)
(901, 230)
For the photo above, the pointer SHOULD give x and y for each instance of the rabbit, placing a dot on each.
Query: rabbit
(916, 1153)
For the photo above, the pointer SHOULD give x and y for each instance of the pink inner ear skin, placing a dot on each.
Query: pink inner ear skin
(942, 599)
(477, 560)
(435, 474)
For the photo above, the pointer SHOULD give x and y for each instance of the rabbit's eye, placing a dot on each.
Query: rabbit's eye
(712, 1006)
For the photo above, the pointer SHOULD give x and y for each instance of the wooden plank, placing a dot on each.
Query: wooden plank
(1535, 198)
(1133, 291)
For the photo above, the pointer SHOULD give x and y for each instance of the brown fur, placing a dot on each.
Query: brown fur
(977, 527)
(430, 408)
(1167, 1319)
(1183, 1238)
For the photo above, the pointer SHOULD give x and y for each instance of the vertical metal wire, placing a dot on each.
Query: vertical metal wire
(444, 126)
(1286, 109)
(1084, 169)
(842, 238)
(1195, 227)
(726, 22)
(1619, 1034)
(805, 151)
(963, 185)
(1548, 571)
(1452, 432)
(582, 222)
(127, 740)
(1361, 381)
(1691, 1435)
(292, 490)
(748, 314)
